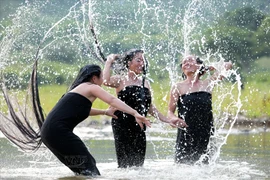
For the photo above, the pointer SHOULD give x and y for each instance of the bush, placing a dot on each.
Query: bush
(48, 73)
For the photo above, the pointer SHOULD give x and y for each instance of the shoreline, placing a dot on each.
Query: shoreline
(245, 122)
(242, 122)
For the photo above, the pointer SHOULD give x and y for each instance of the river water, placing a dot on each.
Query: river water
(245, 155)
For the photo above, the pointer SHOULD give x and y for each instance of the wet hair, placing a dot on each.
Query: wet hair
(85, 74)
(202, 70)
(128, 56)
(17, 127)
(203, 67)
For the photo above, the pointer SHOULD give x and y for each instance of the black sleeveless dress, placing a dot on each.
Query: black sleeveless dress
(196, 109)
(57, 134)
(130, 140)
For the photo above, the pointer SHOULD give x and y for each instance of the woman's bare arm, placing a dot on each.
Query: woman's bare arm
(174, 96)
(111, 81)
(217, 74)
(107, 112)
(103, 95)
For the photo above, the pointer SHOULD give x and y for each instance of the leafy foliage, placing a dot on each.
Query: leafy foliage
(61, 31)
(236, 36)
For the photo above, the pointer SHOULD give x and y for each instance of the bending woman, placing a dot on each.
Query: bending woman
(130, 139)
(193, 100)
(74, 107)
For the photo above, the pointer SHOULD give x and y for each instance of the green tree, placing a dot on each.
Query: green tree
(236, 36)
(262, 37)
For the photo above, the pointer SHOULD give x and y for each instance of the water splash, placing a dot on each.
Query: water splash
(37, 167)
(179, 29)
(185, 36)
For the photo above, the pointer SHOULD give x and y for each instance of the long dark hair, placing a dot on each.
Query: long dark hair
(23, 135)
(17, 128)
(85, 75)
(129, 55)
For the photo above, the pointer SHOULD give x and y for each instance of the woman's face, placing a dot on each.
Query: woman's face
(189, 64)
(98, 80)
(137, 63)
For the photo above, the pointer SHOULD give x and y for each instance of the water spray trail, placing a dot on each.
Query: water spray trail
(192, 22)
(161, 21)
(143, 7)
(223, 116)
(83, 33)
(55, 25)
(92, 29)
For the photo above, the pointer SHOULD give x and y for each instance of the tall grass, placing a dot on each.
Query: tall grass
(255, 98)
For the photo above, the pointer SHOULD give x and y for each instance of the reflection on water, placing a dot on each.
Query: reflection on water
(245, 156)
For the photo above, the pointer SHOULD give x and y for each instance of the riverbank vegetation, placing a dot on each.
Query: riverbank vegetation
(254, 97)
(63, 42)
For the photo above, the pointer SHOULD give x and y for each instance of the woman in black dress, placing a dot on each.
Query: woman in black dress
(74, 107)
(134, 90)
(193, 100)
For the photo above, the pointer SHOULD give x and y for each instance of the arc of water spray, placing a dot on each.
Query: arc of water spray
(31, 138)
(33, 80)
(91, 26)
(38, 111)
(48, 32)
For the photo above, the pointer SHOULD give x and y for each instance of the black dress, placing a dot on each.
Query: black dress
(196, 109)
(57, 134)
(130, 140)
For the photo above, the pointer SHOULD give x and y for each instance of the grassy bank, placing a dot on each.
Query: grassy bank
(255, 97)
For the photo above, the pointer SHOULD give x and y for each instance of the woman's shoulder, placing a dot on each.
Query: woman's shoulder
(176, 88)
(115, 81)
(180, 84)
(117, 77)
(147, 84)
(86, 88)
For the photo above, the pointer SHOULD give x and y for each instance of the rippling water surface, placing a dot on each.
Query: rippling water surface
(245, 156)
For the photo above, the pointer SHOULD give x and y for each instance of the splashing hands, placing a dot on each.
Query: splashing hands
(228, 65)
(210, 68)
(110, 112)
(178, 123)
(142, 120)
(112, 57)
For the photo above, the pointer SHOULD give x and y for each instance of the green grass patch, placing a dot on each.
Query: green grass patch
(255, 98)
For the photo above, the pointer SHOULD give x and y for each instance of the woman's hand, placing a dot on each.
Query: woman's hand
(111, 58)
(110, 112)
(228, 65)
(142, 120)
(178, 123)
(210, 68)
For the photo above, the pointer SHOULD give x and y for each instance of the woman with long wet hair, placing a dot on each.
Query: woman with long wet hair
(133, 89)
(192, 97)
(56, 131)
